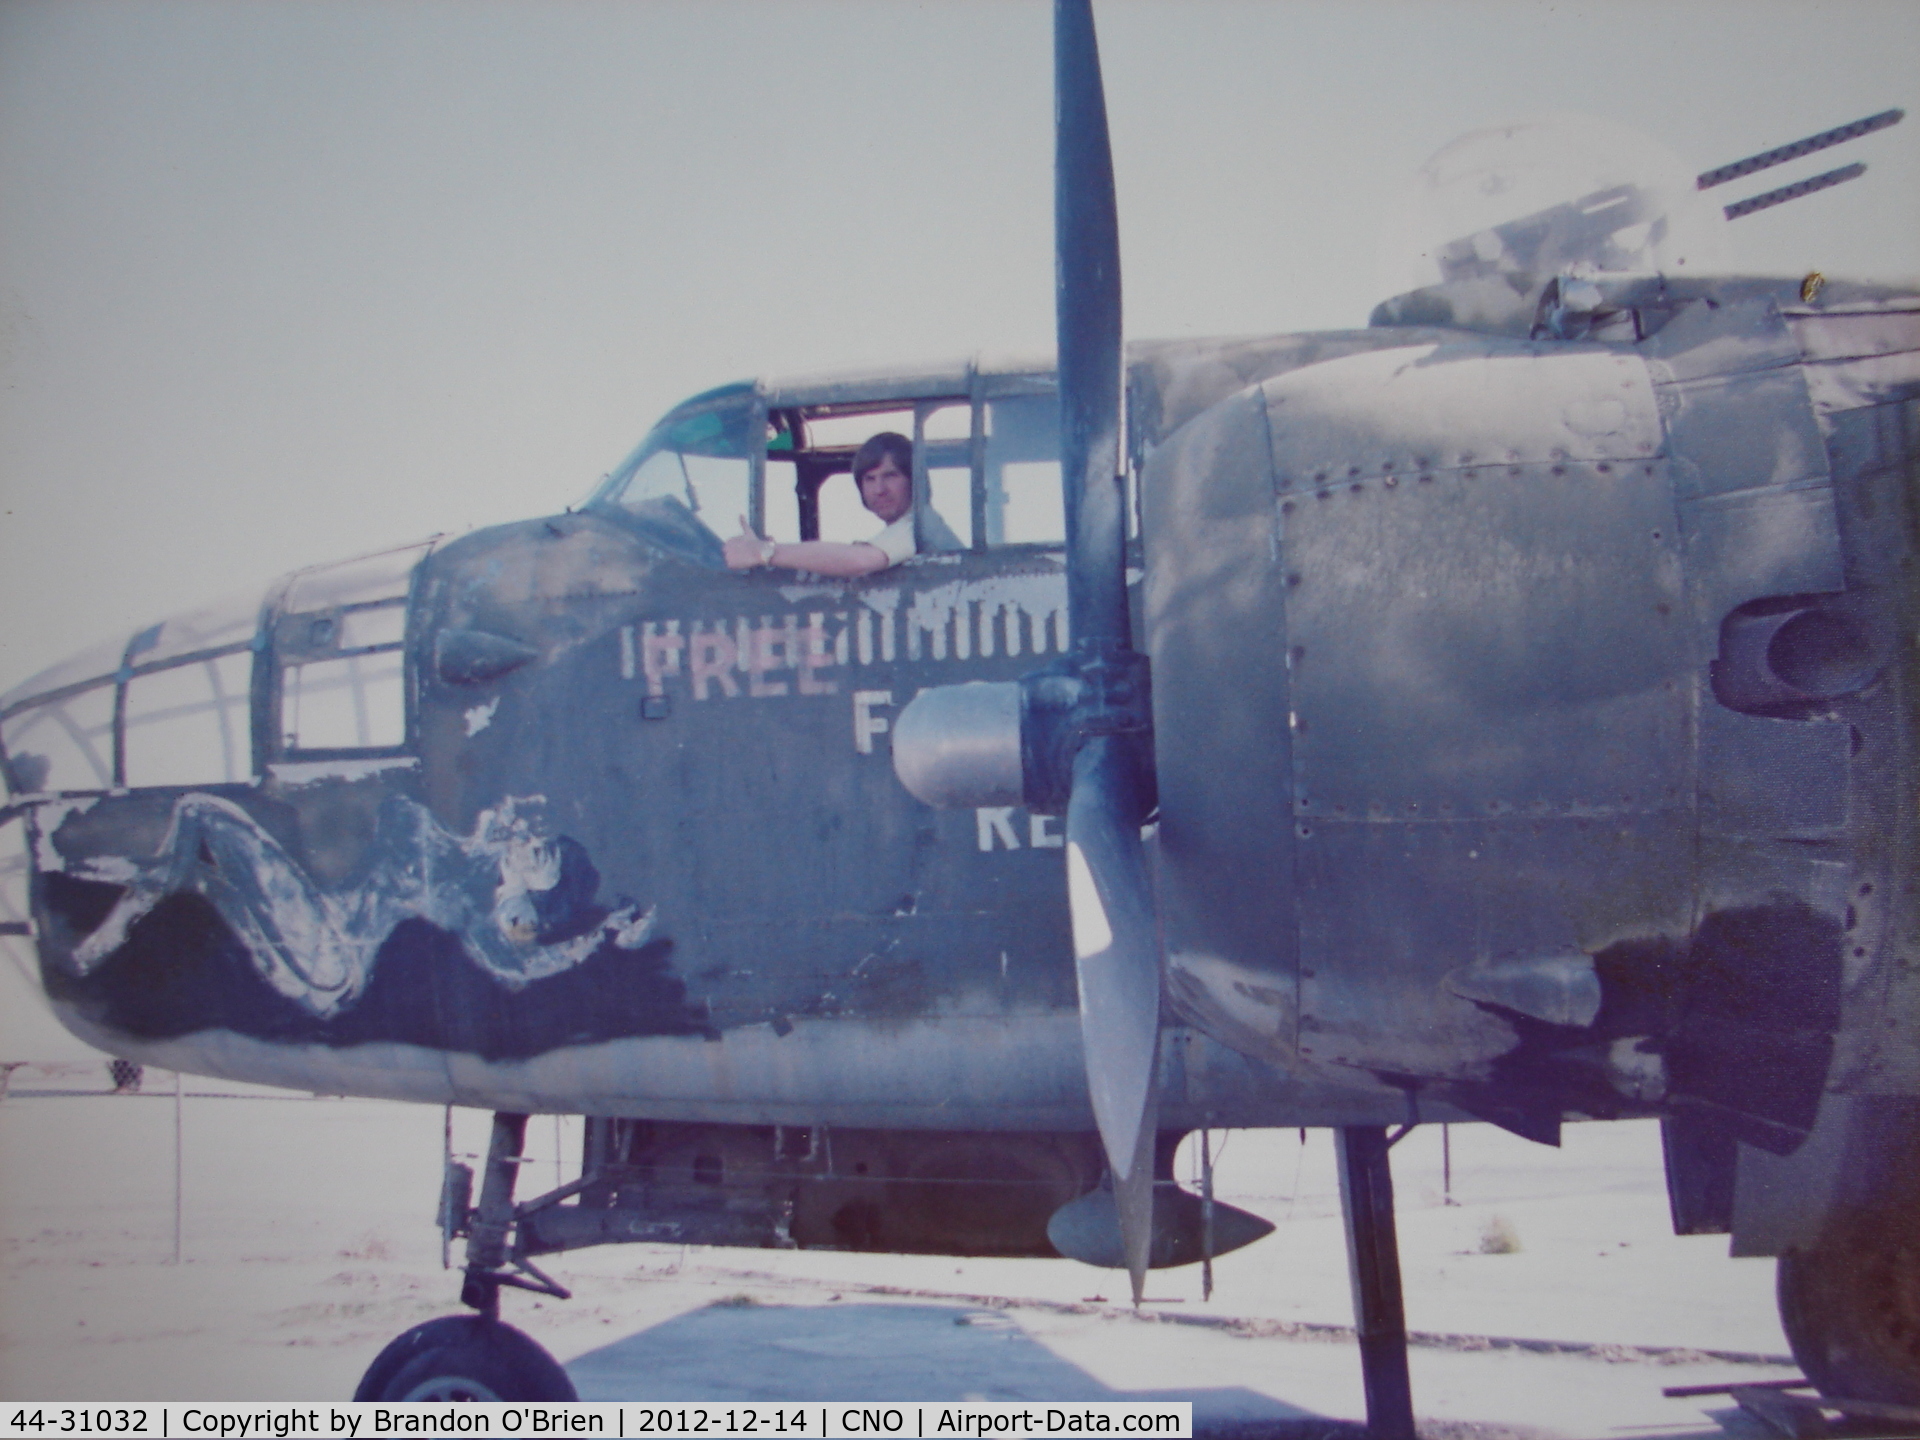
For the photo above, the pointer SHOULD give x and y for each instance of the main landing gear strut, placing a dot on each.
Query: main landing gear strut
(1373, 1263)
(476, 1357)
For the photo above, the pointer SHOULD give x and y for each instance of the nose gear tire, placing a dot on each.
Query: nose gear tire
(464, 1357)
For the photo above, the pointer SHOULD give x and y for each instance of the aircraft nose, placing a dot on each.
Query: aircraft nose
(166, 705)
(311, 667)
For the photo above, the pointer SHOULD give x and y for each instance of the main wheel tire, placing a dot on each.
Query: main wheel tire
(1851, 1308)
(464, 1357)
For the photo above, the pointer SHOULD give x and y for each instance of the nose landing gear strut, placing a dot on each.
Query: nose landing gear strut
(476, 1357)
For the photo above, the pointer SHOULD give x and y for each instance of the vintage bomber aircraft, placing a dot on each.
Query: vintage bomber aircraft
(1524, 729)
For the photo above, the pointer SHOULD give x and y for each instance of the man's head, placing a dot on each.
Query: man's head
(883, 469)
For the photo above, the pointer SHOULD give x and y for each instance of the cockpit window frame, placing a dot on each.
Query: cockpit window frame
(972, 386)
(296, 631)
(772, 410)
(814, 465)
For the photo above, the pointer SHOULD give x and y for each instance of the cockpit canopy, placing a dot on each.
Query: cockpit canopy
(986, 457)
(313, 670)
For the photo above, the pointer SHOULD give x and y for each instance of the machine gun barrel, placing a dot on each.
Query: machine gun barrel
(1794, 191)
(1767, 159)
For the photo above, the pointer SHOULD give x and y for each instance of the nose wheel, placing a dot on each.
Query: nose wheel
(464, 1357)
(476, 1357)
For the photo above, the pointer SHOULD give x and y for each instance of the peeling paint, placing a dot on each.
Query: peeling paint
(47, 817)
(108, 869)
(1005, 615)
(1008, 614)
(300, 773)
(502, 891)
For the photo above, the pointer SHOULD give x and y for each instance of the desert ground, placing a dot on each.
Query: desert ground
(1547, 1294)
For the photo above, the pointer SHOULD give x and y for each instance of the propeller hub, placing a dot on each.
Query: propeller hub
(959, 746)
(1014, 742)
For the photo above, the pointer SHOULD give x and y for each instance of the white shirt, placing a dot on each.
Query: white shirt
(896, 541)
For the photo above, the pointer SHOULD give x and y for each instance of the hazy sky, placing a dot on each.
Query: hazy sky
(284, 282)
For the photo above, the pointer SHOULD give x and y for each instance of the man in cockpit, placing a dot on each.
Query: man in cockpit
(883, 469)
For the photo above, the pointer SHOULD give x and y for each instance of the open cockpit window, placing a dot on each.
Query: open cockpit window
(810, 490)
(986, 460)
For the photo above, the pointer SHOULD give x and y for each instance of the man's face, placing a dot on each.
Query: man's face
(887, 490)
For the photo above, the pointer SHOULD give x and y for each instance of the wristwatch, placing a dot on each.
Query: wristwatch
(767, 547)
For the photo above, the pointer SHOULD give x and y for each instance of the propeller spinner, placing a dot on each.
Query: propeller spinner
(1076, 735)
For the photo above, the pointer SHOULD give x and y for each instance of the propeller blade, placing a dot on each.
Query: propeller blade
(1087, 316)
(1116, 955)
(1117, 962)
(1115, 933)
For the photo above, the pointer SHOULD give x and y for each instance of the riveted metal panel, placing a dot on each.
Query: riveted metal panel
(1213, 624)
(1743, 432)
(1763, 777)
(1756, 543)
(1857, 331)
(1388, 910)
(1171, 381)
(1873, 452)
(1749, 459)
(1492, 684)
(1868, 356)
(1436, 407)
(1733, 334)
(1876, 462)
(1487, 641)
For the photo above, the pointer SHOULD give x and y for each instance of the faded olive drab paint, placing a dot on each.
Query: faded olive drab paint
(1534, 738)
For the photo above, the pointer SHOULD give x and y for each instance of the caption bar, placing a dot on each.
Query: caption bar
(282, 1420)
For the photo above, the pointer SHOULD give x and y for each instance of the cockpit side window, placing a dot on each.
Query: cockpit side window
(986, 462)
(810, 489)
(338, 644)
(944, 450)
(1020, 480)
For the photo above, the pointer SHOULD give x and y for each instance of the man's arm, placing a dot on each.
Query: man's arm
(747, 551)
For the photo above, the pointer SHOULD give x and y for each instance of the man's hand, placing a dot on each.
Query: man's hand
(748, 551)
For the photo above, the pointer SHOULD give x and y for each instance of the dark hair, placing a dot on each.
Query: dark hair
(888, 444)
